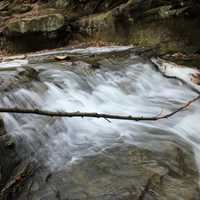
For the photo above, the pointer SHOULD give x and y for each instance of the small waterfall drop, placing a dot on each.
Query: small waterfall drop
(120, 86)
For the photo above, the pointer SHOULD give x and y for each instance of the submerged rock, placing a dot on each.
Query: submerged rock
(123, 173)
(28, 73)
(14, 81)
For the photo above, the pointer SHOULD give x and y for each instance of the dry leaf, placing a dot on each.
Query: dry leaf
(196, 78)
(65, 57)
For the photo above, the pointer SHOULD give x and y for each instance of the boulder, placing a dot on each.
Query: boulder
(44, 23)
(23, 8)
(38, 32)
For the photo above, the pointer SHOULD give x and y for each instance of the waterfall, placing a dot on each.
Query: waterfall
(129, 86)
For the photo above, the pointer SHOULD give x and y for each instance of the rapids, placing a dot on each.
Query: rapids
(125, 86)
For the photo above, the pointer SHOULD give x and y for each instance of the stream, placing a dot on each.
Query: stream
(123, 85)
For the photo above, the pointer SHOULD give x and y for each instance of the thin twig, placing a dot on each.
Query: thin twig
(96, 115)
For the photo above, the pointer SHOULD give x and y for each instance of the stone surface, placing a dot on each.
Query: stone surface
(126, 172)
(14, 171)
(141, 25)
(23, 8)
(149, 23)
(8, 155)
(22, 78)
(161, 170)
(46, 23)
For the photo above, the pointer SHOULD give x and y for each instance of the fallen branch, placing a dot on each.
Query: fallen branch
(96, 115)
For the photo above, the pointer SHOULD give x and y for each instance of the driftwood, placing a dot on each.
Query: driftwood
(97, 115)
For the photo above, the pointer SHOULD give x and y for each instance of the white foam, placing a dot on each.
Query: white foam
(13, 63)
(137, 89)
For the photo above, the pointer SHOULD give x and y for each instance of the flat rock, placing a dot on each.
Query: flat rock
(122, 173)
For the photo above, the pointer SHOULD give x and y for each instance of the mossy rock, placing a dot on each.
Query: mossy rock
(23, 8)
(126, 172)
(45, 23)
(163, 26)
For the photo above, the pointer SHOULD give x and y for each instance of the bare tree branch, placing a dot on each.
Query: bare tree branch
(97, 115)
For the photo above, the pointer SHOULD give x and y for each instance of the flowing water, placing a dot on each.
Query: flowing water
(124, 86)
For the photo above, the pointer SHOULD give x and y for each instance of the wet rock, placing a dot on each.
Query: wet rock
(126, 172)
(23, 77)
(28, 73)
(14, 171)
(8, 156)
(2, 128)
